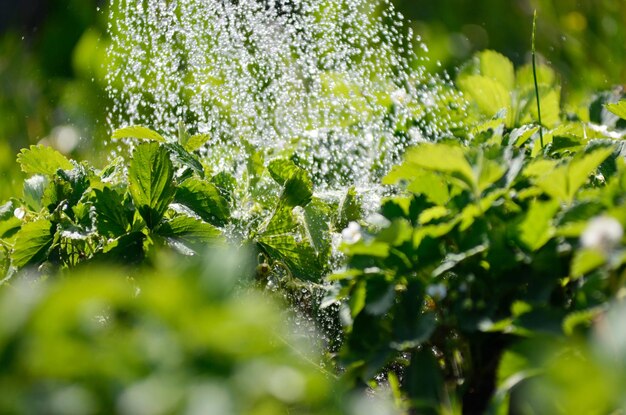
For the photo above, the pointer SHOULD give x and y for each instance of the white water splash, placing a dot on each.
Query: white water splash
(325, 82)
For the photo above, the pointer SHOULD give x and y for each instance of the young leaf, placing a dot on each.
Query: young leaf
(536, 229)
(490, 95)
(32, 243)
(138, 132)
(150, 178)
(34, 188)
(618, 109)
(442, 158)
(196, 141)
(497, 67)
(204, 199)
(44, 160)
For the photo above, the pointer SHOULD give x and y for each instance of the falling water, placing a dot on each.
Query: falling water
(325, 82)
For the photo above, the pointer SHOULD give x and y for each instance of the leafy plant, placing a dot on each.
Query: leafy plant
(487, 245)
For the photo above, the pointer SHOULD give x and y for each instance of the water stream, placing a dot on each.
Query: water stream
(334, 84)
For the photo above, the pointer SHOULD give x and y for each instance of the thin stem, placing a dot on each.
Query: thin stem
(535, 77)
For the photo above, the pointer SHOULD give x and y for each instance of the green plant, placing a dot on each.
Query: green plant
(488, 244)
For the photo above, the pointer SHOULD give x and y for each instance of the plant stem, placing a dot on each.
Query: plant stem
(535, 77)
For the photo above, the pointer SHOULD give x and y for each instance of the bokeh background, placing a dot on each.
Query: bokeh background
(53, 59)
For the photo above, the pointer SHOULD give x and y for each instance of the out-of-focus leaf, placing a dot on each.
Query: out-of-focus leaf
(618, 108)
(442, 158)
(586, 260)
(536, 229)
(497, 67)
(44, 160)
(196, 141)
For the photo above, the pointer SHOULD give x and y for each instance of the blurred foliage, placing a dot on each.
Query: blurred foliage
(52, 67)
(188, 338)
(582, 39)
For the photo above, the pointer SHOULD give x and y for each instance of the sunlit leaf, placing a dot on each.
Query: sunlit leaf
(32, 243)
(138, 132)
(442, 158)
(205, 200)
(150, 178)
(618, 109)
(490, 95)
(498, 67)
(40, 159)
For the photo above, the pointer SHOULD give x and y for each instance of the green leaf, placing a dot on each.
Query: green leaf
(490, 95)
(521, 135)
(112, 217)
(188, 229)
(442, 158)
(586, 260)
(185, 158)
(150, 178)
(349, 209)
(357, 298)
(138, 132)
(618, 108)
(298, 188)
(196, 141)
(536, 229)
(40, 159)
(316, 220)
(32, 243)
(205, 200)
(497, 67)
(431, 185)
(34, 188)
(580, 168)
(9, 224)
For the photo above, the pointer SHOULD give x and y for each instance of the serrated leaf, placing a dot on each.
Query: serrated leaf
(490, 95)
(34, 188)
(498, 67)
(442, 158)
(39, 159)
(112, 218)
(196, 141)
(188, 229)
(32, 243)
(205, 200)
(150, 178)
(138, 132)
(299, 257)
(9, 224)
(618, 109)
